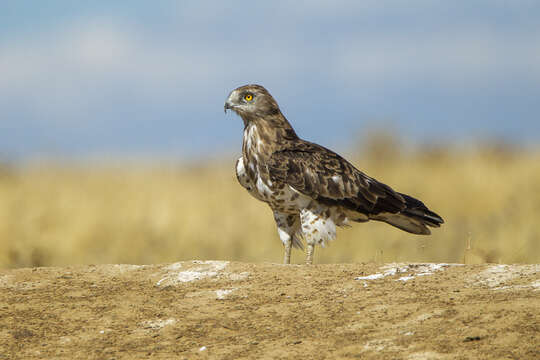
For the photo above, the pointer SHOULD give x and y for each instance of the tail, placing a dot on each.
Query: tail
(415, 218)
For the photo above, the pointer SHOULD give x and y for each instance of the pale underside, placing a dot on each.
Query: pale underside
(297, 216)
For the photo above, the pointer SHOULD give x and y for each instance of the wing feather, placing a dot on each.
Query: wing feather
(322, 174)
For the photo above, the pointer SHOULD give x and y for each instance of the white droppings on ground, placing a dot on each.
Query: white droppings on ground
(192, 275)
(121, 268)
(202, 348)
(222, 294)
(202, 270)
(157, 324)
(205, 270)
(370, 277)
(424, 270)
(240, 276)
(496, 276)
(390, 271)
(174, 266)
(411, 271)
(208, 269)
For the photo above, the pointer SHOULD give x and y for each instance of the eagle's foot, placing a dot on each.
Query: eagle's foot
(310, 251)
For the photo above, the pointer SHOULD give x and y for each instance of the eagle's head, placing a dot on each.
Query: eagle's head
(251, 101)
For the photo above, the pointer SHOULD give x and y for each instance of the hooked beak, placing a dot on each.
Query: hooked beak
(230, 104)
(227, 106)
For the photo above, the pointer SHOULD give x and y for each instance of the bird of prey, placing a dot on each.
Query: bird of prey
(310, 188)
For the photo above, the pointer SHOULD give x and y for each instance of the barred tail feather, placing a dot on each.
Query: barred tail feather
(415, 218)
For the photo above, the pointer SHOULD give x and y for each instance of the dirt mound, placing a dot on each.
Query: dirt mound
(217, 309)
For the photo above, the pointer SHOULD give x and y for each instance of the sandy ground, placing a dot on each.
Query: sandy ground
(222, 310)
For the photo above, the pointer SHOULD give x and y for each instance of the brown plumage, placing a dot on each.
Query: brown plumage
(311, 189)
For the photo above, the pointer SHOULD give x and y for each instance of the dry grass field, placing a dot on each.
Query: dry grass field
(61, 215)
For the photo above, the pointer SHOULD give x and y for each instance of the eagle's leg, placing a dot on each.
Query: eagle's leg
(309, 218)
(287, 257)
(317, 228)
(310, 251)
(288, 225)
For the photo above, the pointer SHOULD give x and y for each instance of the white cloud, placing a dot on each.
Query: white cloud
(98, 45)
(61, 72)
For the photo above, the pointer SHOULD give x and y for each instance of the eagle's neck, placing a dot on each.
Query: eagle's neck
(265, 135)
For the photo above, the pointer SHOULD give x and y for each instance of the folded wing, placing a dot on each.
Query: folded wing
(328, 178)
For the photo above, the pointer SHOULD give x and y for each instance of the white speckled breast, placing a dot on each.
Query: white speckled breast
(285, 200)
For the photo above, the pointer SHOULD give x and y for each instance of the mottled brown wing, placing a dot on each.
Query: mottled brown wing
(324, 175)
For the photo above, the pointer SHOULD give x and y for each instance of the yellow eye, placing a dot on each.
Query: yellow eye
(248, 97)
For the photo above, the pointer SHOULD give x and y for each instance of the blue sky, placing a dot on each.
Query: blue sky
(138, 78)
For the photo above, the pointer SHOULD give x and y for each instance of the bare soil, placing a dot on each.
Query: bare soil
(222, 310)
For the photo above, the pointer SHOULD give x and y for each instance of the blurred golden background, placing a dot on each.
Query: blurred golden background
(86, 85)
(53, 214)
